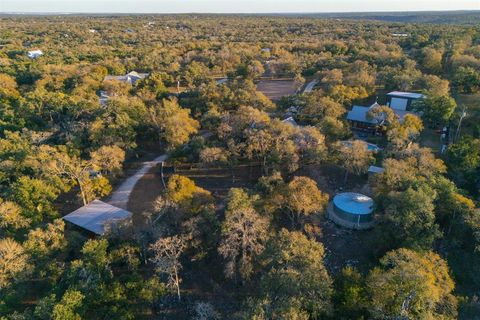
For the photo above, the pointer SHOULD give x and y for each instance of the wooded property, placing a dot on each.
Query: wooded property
(240, 166)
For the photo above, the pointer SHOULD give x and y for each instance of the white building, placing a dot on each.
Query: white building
(34, 54)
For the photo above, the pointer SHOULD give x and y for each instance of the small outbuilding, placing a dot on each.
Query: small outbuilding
(352, 210)
(402, 101)
(99, 217)
(34, 54)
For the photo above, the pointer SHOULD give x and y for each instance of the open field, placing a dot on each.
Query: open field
(276, 89)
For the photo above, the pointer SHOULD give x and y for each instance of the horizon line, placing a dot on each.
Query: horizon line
(229, 13)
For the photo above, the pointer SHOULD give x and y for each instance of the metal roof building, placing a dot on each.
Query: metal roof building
(98, 217)
(408, 95)
(359, 114)
(402, 101)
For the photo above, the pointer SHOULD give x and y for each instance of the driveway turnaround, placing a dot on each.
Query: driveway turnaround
(119, 198)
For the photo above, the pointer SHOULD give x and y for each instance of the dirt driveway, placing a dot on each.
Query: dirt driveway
(121, 195)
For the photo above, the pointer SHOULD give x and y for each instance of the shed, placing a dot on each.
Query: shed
(98, 217)
(402, 101)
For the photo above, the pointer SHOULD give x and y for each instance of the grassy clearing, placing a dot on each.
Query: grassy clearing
(276, 89)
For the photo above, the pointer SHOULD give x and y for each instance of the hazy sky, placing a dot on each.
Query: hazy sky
(232, 6)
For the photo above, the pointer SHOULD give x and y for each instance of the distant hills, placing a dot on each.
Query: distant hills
(438, 17)
(435, 17)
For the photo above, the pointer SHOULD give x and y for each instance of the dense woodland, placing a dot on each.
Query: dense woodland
(252, 251)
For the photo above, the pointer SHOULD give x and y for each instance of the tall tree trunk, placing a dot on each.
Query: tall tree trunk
(82, 192)
(177, 284)
(264, 164)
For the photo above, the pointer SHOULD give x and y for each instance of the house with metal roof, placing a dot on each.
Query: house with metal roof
(358, 116)
(131, 77)
(402, 101)
(359, 119)
(99, 217)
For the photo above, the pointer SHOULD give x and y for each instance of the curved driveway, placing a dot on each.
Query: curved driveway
(120, 196)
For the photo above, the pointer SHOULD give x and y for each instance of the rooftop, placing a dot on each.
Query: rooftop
(359, 113)
(290, 121)
(408, 95)
(375, 169)
(34, 54)
(354, 203)
(97, 216)
(131, 77)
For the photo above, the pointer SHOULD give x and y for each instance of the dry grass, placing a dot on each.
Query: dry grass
(276, 89)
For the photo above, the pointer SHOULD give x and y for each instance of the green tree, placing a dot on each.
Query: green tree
(59, 163)
(303, 198)
(36, 198)
(349, 295)
(409, 218)
(41, 243)
(183, 192)
(463, 162)
(69, 306)
(172, 123)
(432, 59)
(467, 80)
(296, 282)
(411, 285)
(11, 218)
(436, 110)
(14, 263)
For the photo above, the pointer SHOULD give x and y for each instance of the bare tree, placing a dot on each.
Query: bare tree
(166, 257)
(354, 157)
(243, 236)
(205, 311)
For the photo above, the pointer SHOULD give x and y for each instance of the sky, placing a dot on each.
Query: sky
(232, 6)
